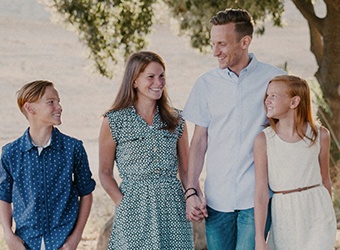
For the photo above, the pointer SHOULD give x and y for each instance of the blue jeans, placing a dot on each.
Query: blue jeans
(234, 230)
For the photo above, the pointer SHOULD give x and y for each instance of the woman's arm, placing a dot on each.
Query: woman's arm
(107, 154)
(261, 190)
(183, 156)
(196, 205)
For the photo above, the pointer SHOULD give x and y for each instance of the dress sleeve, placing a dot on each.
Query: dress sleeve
(111, 117)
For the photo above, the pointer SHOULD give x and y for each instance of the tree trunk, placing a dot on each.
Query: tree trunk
(328, 76)
(325, 45)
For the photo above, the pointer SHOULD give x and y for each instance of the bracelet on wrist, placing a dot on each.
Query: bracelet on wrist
(191, 188)
(193, 194)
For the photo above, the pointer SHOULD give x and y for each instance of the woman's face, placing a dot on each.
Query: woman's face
(151, 82)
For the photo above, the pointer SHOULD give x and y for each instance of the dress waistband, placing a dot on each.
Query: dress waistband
(296, 190)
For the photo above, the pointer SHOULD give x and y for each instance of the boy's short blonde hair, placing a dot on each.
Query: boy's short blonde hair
(31, 92)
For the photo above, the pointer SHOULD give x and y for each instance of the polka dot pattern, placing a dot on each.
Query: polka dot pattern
(151, 214)
(45, 188)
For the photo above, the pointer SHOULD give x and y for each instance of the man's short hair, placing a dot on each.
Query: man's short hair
(244, 24)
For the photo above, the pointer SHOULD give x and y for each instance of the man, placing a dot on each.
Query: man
(226, 106)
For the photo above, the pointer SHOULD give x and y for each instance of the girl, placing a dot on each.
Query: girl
(291, 156)
(148, 140)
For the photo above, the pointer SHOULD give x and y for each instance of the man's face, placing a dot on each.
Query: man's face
(226, 46)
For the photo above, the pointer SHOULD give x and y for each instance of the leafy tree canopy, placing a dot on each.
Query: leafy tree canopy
(115, 28)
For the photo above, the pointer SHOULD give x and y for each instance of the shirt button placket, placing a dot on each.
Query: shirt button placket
(154, 144)
(43, 194)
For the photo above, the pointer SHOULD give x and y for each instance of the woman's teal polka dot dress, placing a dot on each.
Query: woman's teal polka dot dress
(151, 214)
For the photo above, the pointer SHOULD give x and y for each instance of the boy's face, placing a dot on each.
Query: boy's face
(47, 110)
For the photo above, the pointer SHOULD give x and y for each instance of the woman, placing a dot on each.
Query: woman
(148, 140)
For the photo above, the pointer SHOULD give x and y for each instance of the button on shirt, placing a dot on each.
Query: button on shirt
(231, 108)
(45, 187)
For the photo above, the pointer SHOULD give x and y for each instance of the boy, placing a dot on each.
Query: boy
(43, 173)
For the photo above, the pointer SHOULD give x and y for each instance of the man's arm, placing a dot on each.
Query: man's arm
(195, 204)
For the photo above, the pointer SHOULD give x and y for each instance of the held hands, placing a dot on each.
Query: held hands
(196, 209)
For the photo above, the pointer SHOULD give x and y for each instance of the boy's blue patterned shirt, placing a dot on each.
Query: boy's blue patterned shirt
(45, 188)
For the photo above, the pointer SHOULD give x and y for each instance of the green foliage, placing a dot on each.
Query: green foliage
(110, 28)
(194, 15)
(114, 28)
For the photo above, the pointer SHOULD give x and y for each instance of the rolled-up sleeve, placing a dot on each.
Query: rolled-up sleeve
(6, 180)
(82, 173)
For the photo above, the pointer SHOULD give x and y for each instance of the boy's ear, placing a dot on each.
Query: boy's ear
(29, 108)
(295, 102)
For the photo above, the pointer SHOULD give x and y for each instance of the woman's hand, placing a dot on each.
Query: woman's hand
(196, 209)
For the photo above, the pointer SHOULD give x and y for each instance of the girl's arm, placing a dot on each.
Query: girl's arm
(324, 158)
(261, 190)
(107, 154)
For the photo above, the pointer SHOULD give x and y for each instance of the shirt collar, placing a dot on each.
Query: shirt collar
(135, 111)
(55, 141)
(251, 66)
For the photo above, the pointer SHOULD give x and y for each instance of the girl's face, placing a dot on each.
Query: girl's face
(47, 110)
(151, 82)
(278, 102)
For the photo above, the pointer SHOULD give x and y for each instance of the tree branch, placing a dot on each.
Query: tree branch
(306, 8)
(334, 3)
(316, 44)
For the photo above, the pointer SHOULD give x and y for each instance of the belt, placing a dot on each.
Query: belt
(296, 190)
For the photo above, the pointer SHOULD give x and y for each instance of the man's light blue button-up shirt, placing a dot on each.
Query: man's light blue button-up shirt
(231, 108)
